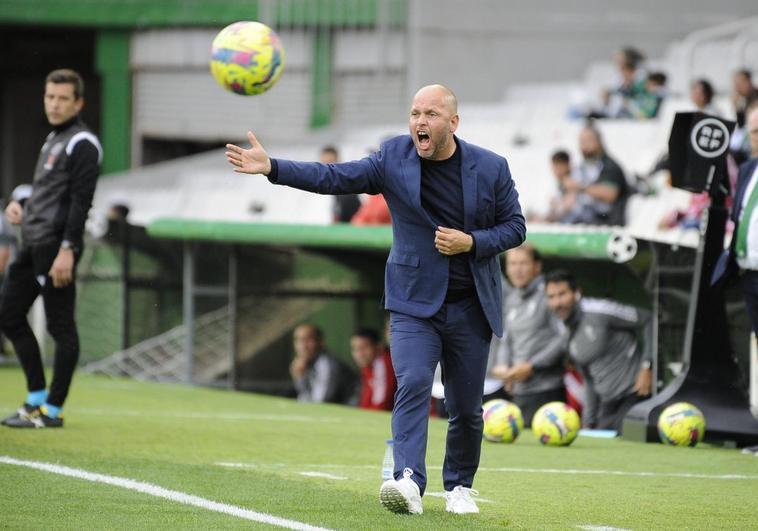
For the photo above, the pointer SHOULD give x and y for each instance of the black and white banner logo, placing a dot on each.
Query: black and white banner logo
(710, 138)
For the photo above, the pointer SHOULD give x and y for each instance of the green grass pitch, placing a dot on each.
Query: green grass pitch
(180, 437)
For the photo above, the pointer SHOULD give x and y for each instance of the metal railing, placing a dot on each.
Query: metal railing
(742, 31)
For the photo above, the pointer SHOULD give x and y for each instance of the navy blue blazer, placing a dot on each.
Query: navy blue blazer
(727, 262)
(416, 274)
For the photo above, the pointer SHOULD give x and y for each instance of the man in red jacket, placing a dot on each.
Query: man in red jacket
(377, 376)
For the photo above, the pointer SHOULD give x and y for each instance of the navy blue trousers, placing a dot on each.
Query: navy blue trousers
(458, 336)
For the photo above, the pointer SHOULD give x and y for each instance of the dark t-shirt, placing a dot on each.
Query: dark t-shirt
(612, 174)
(442, 198)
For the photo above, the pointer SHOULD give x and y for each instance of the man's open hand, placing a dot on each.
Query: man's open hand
(253, 160)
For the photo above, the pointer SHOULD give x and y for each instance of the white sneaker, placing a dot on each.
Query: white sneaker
(401, 496)
(459, 500)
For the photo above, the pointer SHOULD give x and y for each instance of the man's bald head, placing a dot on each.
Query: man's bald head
(447, 95)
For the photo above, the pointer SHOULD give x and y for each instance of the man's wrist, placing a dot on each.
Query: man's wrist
(273, 171)
(67, 245)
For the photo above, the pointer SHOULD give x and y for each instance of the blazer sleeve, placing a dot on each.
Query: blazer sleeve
(356, 177)
(509, 230)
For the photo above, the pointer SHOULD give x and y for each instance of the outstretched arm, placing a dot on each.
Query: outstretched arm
(360, 176)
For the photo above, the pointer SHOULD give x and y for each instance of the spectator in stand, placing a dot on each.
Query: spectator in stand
(317, 375)
(599, 184)
(744, 94)
(604, 346)
(631, 86)
(563, 203)
(701, 95)
(345, 206)
(373, 211)
(647, 103)
(378, 382)
(629, 55)
(529, 357)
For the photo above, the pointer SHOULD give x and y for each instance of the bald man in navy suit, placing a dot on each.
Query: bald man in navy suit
(454, 209)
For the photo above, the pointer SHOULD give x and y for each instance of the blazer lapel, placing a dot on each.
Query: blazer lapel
(412, 180)
(742, 187)
(468, 182)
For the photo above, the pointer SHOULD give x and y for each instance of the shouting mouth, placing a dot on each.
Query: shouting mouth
(423, 139)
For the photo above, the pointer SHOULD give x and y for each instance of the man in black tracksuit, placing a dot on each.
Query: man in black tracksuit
(52, 224)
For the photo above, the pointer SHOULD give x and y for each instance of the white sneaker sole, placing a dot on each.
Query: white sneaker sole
(393, 500)
(467, 511)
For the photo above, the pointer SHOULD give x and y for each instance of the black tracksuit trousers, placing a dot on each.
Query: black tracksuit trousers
(26, 279)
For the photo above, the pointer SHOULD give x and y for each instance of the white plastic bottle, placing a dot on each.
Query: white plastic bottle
(388, 464)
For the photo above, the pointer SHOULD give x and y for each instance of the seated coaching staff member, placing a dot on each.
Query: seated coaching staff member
(454, 209)
(604, 345)
(531, 355)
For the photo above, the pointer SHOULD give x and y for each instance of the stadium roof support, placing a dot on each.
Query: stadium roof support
(191, 289)
(112, 61)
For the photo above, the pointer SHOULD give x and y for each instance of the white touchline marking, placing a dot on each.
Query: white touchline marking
(321, 475)
(687, 475)
(442, 495)
(569, 471)
(285, 465)
(211, 416)
(600, 528)
(160, 492)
